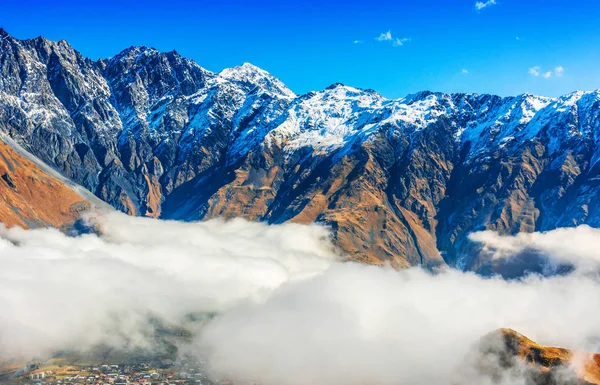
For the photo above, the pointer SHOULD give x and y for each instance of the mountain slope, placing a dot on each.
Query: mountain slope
(29, 197)
(398, 181)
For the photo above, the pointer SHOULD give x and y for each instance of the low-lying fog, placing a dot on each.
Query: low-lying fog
(289, 310)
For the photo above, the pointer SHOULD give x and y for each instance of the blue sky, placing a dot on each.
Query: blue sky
(506, 47)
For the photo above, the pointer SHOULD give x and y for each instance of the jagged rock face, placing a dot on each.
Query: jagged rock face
(398, 181)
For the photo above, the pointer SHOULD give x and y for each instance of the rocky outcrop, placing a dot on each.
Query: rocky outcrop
(398, 181)
(506, 356)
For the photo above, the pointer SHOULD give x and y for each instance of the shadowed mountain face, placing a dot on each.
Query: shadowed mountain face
(398, 181)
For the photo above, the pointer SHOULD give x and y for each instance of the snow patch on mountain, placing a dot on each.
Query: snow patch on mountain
(329, 119)
(341, 116)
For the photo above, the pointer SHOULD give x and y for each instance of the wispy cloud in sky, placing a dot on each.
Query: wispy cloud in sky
(535, 71)
(386, 36)
(400, 41)
(358, 41)
(396, 41)
(481, 4)
(465, 71)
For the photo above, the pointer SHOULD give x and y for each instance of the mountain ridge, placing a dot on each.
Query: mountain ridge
(400, 181)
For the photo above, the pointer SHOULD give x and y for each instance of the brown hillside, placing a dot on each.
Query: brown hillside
(31, 198)
(543, 364)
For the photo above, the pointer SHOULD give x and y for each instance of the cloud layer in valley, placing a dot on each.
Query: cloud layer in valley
(58, 291)
(574, 246)
(362, 324)
(288, 311)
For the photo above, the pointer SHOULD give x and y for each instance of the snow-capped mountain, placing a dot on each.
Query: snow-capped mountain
(155, 134)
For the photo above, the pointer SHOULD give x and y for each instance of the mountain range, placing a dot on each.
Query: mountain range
(398, 181)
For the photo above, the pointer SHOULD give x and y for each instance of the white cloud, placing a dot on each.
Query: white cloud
(535, 71)
(386, 36)
(62, 292)
(577, 246)
(357, 324)
(400, 41)
(358, 41)
(481, 5)
(465, 71)
(289, 313)
(396, 42)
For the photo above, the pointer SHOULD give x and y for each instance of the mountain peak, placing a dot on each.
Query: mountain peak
(419, 96)
(133, 52)
(251, 74)
(245, 72)
(335, 85)
(251, 67)
(3, 32)
(342, 91)
(136, 50)
(351, 89)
